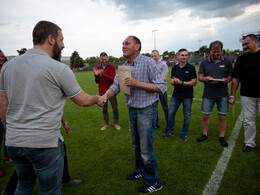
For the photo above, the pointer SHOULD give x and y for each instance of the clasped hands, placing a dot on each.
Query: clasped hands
(129, 81)
(98, 71)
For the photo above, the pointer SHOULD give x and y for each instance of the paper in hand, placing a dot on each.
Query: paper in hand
(123, 73)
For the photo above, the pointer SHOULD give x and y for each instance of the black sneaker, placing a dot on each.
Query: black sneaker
(184, 137)
(223, 142)
(247, 149)
(168, 134)
(202, 138)
(150, 188)
(134, 176)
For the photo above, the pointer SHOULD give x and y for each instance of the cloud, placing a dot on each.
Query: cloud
(150, 9)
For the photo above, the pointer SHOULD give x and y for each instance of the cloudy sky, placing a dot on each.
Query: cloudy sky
(93, 26)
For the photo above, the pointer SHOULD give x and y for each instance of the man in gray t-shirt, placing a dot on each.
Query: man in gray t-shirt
(163, 97)
(33, 91)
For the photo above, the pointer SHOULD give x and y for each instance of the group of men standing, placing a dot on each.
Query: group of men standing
(34, 88)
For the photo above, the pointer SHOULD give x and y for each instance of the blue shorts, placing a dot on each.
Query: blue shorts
(208, 104)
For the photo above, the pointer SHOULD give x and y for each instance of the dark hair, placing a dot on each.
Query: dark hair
(3, 55)
(216, 44)
(251, 36)
(137, 41)
(181, 50)
(103, 54)
(42, 30)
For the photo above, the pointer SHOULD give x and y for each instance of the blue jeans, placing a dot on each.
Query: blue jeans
(45, 163)
(2, 139)
(174, 106)
(142, 125)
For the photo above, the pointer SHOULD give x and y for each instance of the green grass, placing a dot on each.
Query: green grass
(102, 159)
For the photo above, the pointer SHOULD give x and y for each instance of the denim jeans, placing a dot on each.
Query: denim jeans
(2, 140)
(113, 102)
(142, 125)
(45, 163)
(208, 104)
(164, 102)
(174, 106)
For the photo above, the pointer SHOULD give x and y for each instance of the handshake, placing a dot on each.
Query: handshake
(101, 100)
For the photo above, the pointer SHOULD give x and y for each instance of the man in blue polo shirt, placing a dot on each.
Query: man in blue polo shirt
(183, 78)
(215, 72)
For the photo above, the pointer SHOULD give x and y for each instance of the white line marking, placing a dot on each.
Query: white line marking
(215, 180)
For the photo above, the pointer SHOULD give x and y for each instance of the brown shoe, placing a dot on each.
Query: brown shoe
(72, 182)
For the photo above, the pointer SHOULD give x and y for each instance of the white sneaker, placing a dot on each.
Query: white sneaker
(117, 126)
(105, 127)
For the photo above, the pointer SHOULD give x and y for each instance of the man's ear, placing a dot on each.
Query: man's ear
(137, 46)
(51, 40)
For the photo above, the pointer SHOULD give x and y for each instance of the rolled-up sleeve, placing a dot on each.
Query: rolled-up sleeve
(115, 86)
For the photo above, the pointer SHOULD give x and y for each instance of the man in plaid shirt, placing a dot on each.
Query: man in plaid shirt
(146, 82)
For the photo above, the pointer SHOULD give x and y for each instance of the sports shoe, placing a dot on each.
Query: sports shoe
(168, 134)
(117, 126)
(105, 127)
(184, 137)
(223, 142)
(247, 149)
(134, 176)
(72, 182)
(202, 138)
(150, 188)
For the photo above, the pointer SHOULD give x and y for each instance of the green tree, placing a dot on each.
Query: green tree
(171, 53)
(165, 54)
(92, 60)
(78, 62)
(74, 55)
(122, 59)
(21, 51)
(204, 49)
(146, 54)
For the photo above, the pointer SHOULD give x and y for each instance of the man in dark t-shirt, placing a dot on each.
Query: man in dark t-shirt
(215, 72)
(183, 78)
(247, 71)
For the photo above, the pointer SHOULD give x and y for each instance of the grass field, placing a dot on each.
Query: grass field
(102, 159)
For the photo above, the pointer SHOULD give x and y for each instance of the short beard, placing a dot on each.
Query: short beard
(56, 53)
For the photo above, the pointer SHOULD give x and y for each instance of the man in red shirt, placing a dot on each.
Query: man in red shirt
(104, 76)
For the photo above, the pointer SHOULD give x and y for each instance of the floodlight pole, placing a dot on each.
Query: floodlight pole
(154, 31)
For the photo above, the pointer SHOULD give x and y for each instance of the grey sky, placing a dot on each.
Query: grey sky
(93, 26)
(149, 9)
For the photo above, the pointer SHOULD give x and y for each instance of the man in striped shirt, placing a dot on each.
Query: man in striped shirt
(146, 82)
